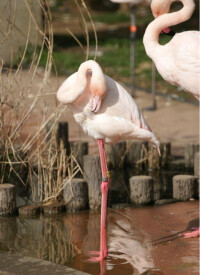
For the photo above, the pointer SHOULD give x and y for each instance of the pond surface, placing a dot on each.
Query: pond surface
(142, 240)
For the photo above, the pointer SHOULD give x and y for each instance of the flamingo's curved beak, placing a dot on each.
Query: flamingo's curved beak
(168, 31)
(95, 103)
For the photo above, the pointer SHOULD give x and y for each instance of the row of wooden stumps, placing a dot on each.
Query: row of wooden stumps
(83, 193)
(185, 187)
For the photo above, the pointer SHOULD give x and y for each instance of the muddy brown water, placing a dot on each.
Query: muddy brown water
(141, 240)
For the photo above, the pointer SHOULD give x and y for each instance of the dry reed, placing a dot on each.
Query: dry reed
(23, 92)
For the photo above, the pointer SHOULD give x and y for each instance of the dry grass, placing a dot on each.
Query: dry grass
(23, 99)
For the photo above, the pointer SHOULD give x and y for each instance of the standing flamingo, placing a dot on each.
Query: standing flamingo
(178, 60)
(107, 113)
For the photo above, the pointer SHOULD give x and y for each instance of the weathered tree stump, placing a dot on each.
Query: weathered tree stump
(79, 149)
(141, 189)
(92, 175)
(165, 158)
(116, 154)
(62, 135)
(185, 187)
(153, 158)
(136, 153)
(53, 209)
(15, 170)
(29, 210)
(197, 164)
(75, 195)
(189, 152)
(155, 161)
(7, 199)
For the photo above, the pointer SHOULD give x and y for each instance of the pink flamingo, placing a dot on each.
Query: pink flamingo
(107, 113)
(178, 60)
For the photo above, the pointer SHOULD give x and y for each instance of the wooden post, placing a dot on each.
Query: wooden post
(165, 158)
(153, 158)
(79, 149)
(15, 172)
(7, 199)
(141, 189)
(75, 195)
(155, 161)
(197, 164)
(136, 153)
(190, 150)
(185, 187)
(92, 175)
(62, 134)
(116, 154)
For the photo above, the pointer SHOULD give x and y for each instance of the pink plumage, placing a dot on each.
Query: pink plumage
(102, 107)
(106, 112)
(178, 60)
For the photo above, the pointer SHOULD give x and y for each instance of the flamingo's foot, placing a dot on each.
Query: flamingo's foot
(193, 234)
(100, 255)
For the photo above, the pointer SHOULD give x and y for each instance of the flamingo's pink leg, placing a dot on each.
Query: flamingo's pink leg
(104, 199)
(193, 234)
(104, 192)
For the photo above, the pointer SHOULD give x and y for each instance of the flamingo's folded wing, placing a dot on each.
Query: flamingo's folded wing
(136, 115)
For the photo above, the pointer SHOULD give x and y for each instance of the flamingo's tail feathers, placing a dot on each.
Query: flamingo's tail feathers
(156, 144)
(158, 150)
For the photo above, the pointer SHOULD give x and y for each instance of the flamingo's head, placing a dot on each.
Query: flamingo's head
(159, 7)
(98, 89)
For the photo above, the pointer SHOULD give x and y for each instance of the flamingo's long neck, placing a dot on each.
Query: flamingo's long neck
(153, 30)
